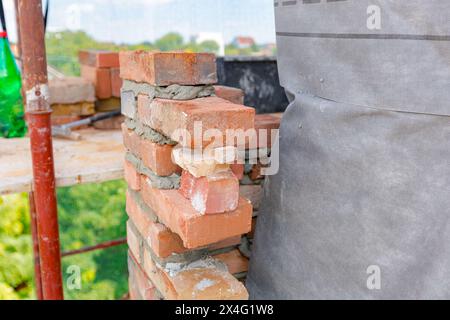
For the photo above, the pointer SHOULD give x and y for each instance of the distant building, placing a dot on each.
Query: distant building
(243, 42)
(268, 49)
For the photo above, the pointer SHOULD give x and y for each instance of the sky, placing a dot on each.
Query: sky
(134, 21)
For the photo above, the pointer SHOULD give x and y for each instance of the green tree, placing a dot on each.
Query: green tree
(90, 214)
(209, 46)
(16, 269)
(169, 42)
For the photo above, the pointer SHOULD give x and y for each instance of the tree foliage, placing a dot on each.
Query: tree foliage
(62, 47)
(88, 214)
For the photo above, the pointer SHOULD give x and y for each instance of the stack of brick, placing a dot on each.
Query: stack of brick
(102, 69)
(186, 218)
(252, 180)
(71, 99)
(256, 159)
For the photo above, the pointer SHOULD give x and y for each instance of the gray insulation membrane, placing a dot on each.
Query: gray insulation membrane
(360, 206)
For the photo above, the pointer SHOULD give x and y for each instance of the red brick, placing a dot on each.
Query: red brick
(231, 94)
(201, 162)
(157, 157)
(194, 284)
(132, 177)
(131, 140)
(195, 229)
(216, 193)
(101, 78)
(140, 286)
(116, 82)
(141, 219)
(134, 241)
(234, 260)
(163, 241)
(170, 116)
(99, 59)
(166, 68)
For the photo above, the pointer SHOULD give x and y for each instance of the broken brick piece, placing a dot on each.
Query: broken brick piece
(166, 68)
(204, 162)
(101, 78)
(99, 59)
(195, 229)
(194, 283)
(231, 94)
(215, 193)
(177, 120)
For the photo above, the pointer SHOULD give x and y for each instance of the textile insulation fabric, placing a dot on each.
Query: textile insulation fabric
(360, 207)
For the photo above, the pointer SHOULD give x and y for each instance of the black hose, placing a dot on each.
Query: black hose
(46, 14)
(2, 16)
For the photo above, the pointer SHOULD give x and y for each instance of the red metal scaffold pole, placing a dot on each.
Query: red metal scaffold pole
(38, 111)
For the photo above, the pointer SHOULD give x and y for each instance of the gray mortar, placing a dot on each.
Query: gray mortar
(177, 92)
(130, 123)
(240, 275)
(144, 207)
(158, 182)
(222, 250)
(148, 133)
(174, 92)
(139, 88)
(181, 259)
(205, 263)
